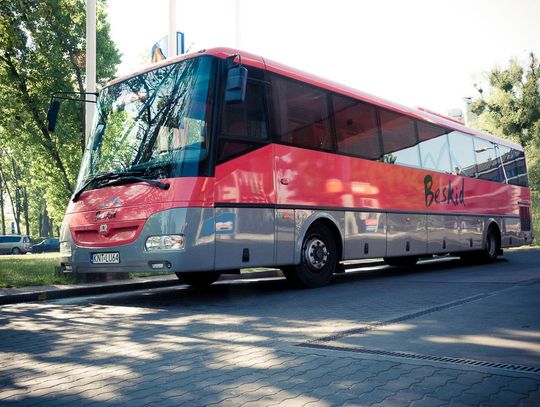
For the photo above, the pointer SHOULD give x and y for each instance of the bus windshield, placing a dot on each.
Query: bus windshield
(157, 123)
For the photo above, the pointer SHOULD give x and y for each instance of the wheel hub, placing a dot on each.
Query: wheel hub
(316, 253)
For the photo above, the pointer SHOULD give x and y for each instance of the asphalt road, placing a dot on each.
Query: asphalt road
(441, 333)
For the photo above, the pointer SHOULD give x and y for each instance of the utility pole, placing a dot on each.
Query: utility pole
(172, 29)
(237, 23)
(90, 63)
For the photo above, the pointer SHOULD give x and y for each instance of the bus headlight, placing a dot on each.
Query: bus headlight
(164, 242)
(65, 248)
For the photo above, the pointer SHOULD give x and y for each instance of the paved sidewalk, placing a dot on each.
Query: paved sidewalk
(443, 334)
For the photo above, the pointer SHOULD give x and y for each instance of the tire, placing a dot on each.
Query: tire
(488, 254)
(403, 261)
(201, 279)
(319, 259)
(492, 246)
(16, 250)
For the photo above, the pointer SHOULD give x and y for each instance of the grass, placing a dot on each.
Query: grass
(31, 269)
(38, 269)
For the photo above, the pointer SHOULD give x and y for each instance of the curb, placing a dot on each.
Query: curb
(58, 293)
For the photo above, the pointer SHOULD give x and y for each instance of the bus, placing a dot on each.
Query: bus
(221, 160)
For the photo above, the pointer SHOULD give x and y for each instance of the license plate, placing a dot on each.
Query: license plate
(105, 258)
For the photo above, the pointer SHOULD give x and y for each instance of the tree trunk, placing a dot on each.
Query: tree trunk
(10, 196)
(17, 208)
(25, 211)
(45, 230)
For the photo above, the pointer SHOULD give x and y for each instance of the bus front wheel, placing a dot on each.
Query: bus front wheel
(318, 259)
(201, 279)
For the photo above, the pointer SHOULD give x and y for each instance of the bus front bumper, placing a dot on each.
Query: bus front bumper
(196, 255)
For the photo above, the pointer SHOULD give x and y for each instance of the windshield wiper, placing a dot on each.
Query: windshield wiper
(105, 176)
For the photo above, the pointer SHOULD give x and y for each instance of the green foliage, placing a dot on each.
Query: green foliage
(42, 46)
(510, 108)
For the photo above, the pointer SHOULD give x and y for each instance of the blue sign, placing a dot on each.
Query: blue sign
(160, 50)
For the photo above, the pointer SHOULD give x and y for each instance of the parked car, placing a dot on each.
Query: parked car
(15, 244)
(48, 245)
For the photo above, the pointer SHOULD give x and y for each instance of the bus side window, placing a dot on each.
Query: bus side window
(488, 161)
(244, 126)
(434, 150)
(399, 139)
(514, 166)
(462, 154)
(357, 132)
(301, 112)
(521, 168)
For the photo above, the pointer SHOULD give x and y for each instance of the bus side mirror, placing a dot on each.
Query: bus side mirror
(235, 91)
(52, 115)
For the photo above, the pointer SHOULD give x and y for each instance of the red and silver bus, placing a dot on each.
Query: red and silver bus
(221, 160)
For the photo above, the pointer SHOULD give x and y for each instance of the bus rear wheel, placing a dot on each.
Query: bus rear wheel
(318, 259)
(201, 279)
(403, 261)
(492, 246)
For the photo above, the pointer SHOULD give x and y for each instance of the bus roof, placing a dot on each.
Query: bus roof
(279, 68)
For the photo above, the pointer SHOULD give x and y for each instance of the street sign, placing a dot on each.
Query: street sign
(160, 48)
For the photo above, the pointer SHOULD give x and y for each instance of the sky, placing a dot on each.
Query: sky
(421, 53)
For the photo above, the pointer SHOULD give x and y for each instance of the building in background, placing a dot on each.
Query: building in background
(464, 115)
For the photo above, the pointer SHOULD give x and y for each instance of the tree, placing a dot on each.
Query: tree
(42, 47)
(510, 108)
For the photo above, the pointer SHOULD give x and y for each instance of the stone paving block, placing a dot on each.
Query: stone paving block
(388, 402)
(251, 399)
(403, 383)
(187, 399)
(423, 371)
(470, 378)
(436, 380)
(532, 400)
(428, 401)
(506, 398)
(365, 386)
(298, 401)
(351, 370)
(489, 386)
(407, 396)
(372, 397)
(473, 399)
(388, 375)
(523, 385)
(450, 390)
(457, 403)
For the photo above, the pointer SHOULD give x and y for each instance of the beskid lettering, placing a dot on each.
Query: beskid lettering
(447, 194)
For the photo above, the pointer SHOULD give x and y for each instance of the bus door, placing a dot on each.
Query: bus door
(244, 192)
